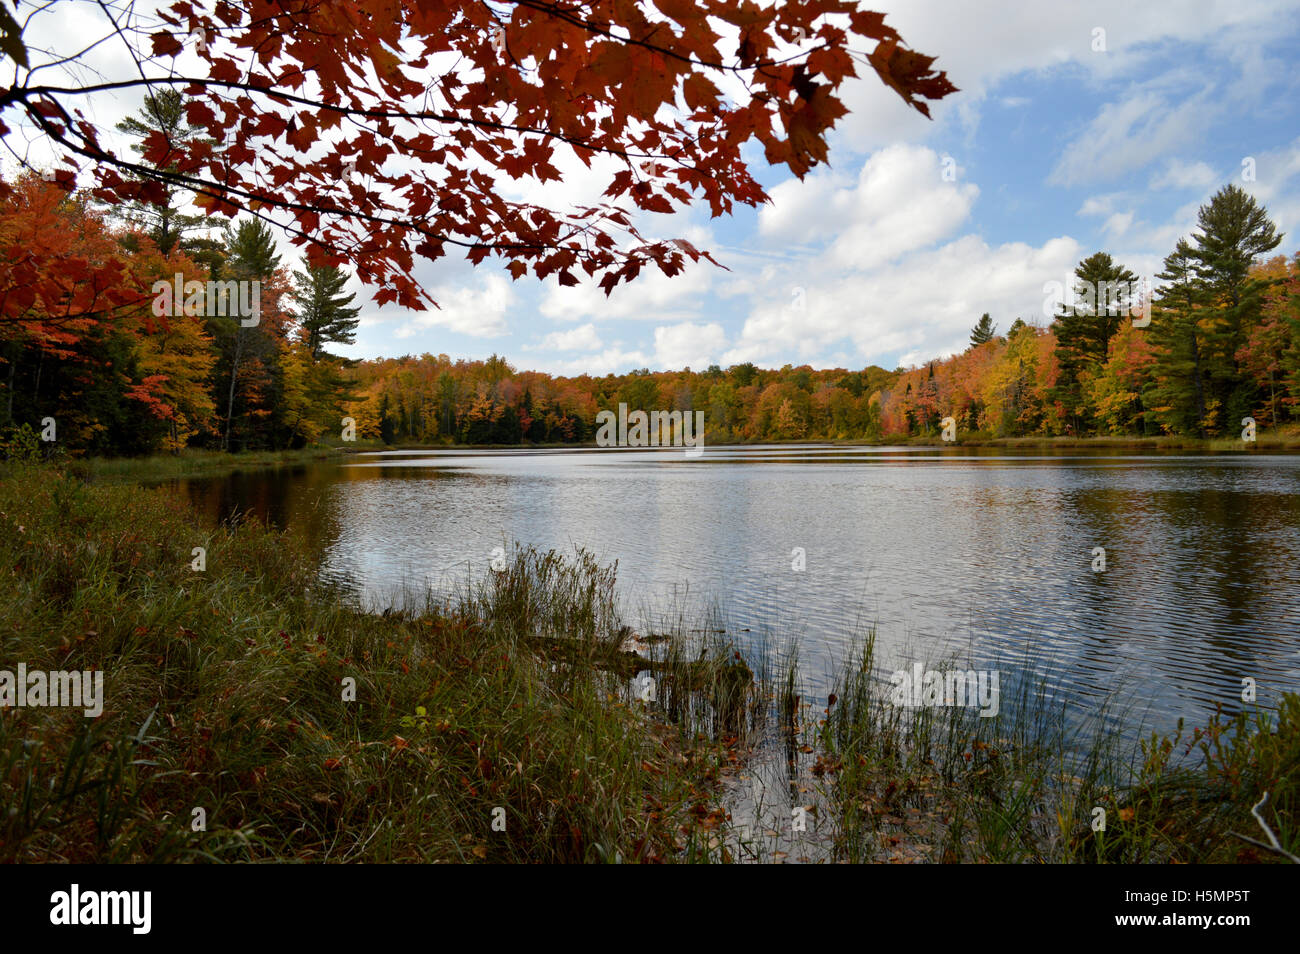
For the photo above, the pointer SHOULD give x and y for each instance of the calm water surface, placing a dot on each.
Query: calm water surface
(984, 554)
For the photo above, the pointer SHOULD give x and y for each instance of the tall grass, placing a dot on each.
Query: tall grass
(1038, 783)
(230, 690)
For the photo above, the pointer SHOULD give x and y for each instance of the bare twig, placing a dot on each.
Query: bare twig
(1276, 845)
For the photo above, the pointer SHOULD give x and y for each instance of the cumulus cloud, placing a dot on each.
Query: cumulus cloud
(891, 272)
(899, 202)
(905, 308)
(688, 345)
(479, 310)
(582, 338)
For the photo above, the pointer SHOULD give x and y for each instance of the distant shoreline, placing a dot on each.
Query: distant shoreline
(200, 462)
(1269, 441)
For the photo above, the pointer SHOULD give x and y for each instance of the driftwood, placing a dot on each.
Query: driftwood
(732, 676)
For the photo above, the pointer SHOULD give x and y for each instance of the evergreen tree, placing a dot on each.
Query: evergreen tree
(323, 311)
(983, 331)
(1084, 329)
(1233, 232)
(164, 112)
(1178, 393)
(248, 352)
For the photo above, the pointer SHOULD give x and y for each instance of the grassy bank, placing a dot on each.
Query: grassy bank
(231, 691)
(194, 463)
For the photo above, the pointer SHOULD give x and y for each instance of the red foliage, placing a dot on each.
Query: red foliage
(380, 131)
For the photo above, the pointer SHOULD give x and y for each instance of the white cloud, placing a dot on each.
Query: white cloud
(924, 304)
(610, 360)
(899, 203)
(1181, 174)
(1128, 134)
(479, 311)
(878, 302)
(980, 43)
(652, 296)
(688, 345)
(1118, 223)
(1099, 204)
(582, 338)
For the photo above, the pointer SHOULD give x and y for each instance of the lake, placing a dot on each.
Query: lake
(986, 555)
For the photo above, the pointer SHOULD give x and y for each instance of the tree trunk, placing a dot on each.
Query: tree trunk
(1272, 395)
(1200, 387)
(234, 375)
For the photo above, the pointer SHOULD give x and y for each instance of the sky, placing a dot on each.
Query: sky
(1078, 128)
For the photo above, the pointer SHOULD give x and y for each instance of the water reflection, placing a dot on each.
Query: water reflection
(981, 552)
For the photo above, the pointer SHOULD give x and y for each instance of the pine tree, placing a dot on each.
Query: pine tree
(983, 331)
(323, 311)
(164, 112)
(1178, 393)
(1084, 329)
(1233, 232)
(250, 256)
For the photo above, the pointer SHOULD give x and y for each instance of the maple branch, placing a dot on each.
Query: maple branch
(552, 9)
(592, 96)
(223, 192)
(351, 112)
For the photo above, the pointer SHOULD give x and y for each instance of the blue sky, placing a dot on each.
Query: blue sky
(1060, 149)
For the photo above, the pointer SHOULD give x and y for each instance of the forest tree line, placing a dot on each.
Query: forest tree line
(80, 343)
(1220, 342)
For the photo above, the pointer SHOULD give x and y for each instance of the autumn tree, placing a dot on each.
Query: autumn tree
(379, 133)
(1284, 308)
(65, 285)
(1115, 388)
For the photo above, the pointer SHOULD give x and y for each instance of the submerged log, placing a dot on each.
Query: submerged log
(731, 676)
